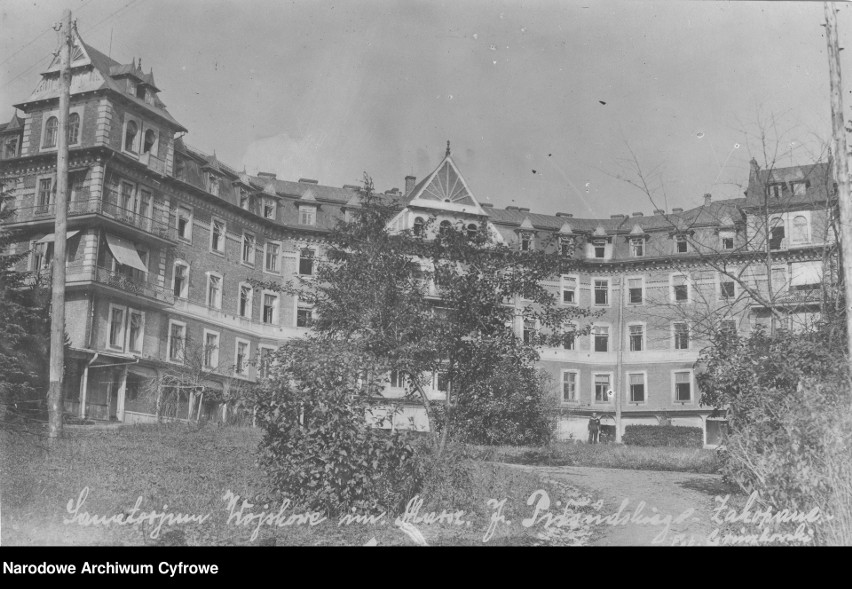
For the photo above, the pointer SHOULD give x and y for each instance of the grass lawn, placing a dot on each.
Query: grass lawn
(188, 470)
(606, 456)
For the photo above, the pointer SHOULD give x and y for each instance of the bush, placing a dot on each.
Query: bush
(663, 435)
(319, 446)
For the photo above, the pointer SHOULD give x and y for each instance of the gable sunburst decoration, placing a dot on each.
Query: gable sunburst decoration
(447, 186)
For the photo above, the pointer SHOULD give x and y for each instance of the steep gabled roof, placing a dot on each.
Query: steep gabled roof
(444, 189)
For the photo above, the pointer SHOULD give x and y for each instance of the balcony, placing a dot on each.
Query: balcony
(135, 286)
(154, 164)
(77, 209)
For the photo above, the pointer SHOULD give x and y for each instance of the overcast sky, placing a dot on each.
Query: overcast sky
(539, 99)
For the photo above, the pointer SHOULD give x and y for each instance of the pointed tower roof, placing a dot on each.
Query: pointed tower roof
(445, 189)
(13, 125)
(104, 70)
(212, 163)
(270, 189)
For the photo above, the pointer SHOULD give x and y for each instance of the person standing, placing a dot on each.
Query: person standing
(594, 428)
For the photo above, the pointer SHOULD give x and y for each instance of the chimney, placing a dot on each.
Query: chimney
(616, 216)
(486, 205)
(677, 210)
(659, 212)
(523, 210)
(410, 181)
(512, 208)
(638, 214)
(565, 215)
(266, 175)
(707, 198)
(308, 181)
(351, 187)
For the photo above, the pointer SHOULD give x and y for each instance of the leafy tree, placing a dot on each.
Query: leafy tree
(24, 328)
(446, 300)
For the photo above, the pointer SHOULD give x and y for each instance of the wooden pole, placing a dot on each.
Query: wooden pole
(841, 166)
(57, 315)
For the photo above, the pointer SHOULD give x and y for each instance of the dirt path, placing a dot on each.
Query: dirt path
(651, 507)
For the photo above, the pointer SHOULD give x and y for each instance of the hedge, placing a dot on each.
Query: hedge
(663, 435)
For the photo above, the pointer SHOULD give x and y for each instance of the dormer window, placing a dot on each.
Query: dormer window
(681, 245)
(307, 215)
(637, 247)
(10, 148)
(599, 246)
(140, 92)
(213, 184)
(526, 242)
(566, 246)
(800, 188)
(245, 199)
(269, 208)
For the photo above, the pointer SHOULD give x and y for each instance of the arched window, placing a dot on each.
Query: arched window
(799, 230)
(50, 130)
(471, 230)
(445, 227)
(73, 128)
(130, 136)
(150, 139)
(418, 226)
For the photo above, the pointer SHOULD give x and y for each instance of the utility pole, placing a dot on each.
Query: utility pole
(619, 384)
(841, 166)
(57, 307)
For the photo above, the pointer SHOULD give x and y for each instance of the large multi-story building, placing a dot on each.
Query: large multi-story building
(165, 244)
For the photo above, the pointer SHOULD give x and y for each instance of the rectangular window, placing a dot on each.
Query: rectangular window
(307, 216)
(601, 337)
(177, 336)
(270, 308)
(727, 288)
(569, 386)
(637, 247)
(569, 289)
(135, 329)
(601, 292)
(245, 199)
(602, 387)
(211, 349)
(272, 256)
(304, 317)
(442, 382)
(245, 301)
(306, 261)
(680, 288)
(45, 195)
(213, 183)
(526, 242)
(728, 325)
(529, 331)
(127, 194)
(566, 245)
(681, 245)
(776, 190)
(637, 387)
(116, 327)
(214, 291)
(217, 236)
(396, 380)
(776, 234)
(681, 336)
(683, 387)
(637, 338)
(264, 361)
(184, 223)
(727, 240)
(569, 340)
(799, 188)
(181, 281)
(599, 248)
(248, 248)
(241, 359)
(634, 291)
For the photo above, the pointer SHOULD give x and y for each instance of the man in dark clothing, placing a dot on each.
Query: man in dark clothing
(594, 428)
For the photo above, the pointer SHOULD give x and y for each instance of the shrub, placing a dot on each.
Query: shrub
(663, 435)
(319, 446)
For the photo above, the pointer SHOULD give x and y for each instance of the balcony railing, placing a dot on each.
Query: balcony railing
(96, 206)
(154, 164)
(146, 288)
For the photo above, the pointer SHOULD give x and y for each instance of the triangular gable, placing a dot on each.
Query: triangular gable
(445, 189)
(527, 225)
(79, 54)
